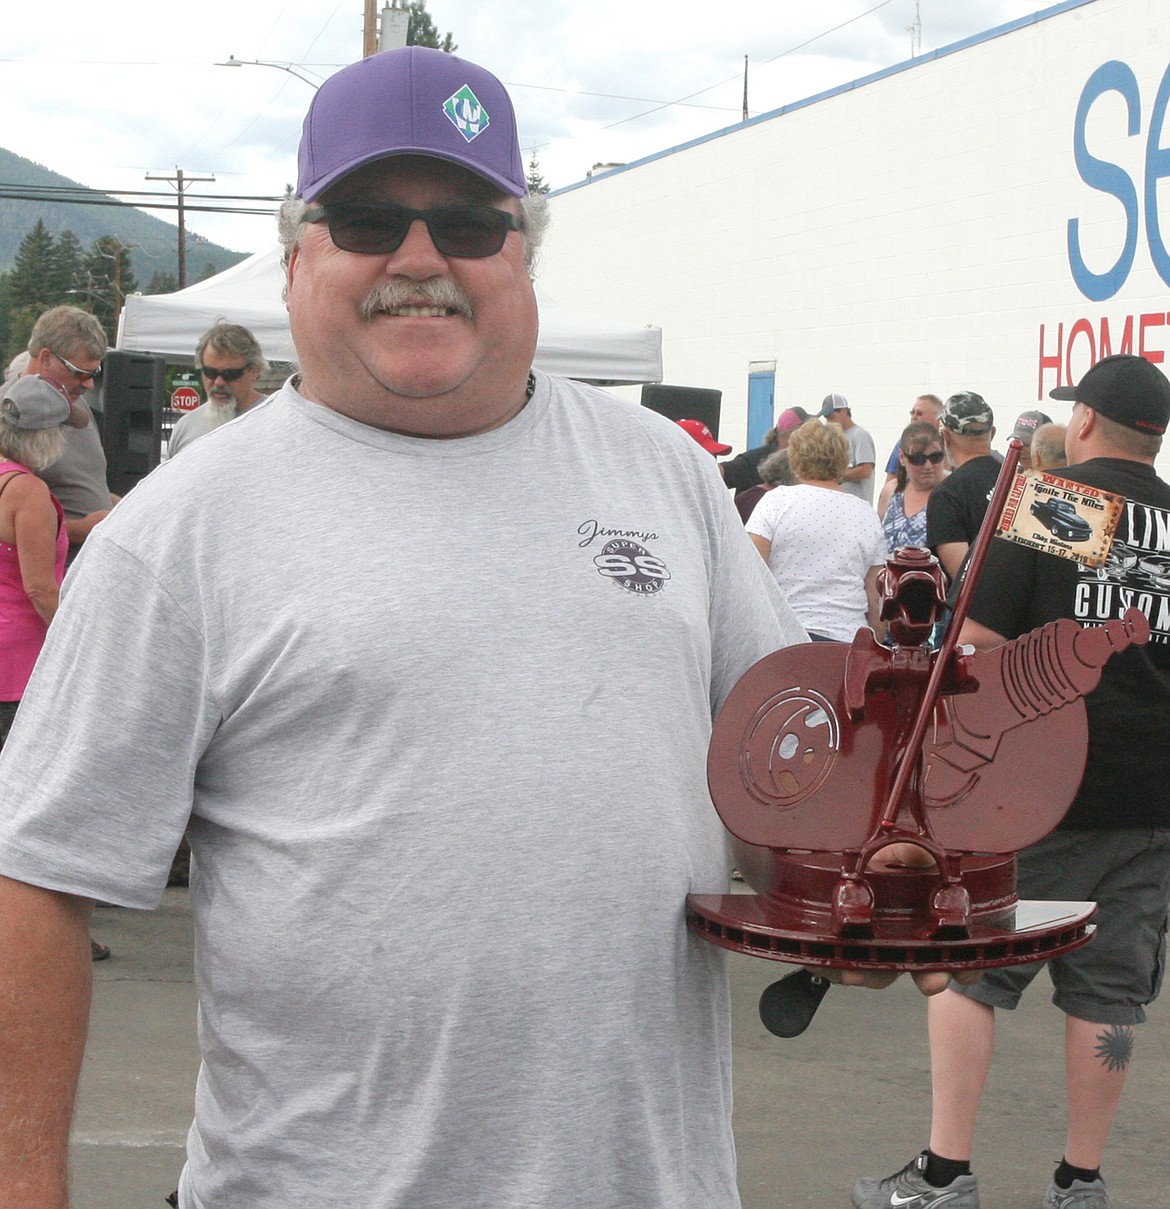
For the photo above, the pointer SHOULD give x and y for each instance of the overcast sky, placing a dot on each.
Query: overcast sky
(107, 93)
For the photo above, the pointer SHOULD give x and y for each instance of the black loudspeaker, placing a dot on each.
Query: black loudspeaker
(132, 398)
(684, 403)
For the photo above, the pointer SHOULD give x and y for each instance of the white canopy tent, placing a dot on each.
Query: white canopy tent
(571, 345)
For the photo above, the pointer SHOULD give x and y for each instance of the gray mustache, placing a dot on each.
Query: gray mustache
(438, 292)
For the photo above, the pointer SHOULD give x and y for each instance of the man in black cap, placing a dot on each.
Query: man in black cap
(957, 505)
(1113, 846)
(1026, 424)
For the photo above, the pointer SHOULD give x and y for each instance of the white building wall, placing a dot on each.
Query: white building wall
(902, 235)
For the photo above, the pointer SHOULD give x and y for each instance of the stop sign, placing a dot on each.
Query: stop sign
(185, 398)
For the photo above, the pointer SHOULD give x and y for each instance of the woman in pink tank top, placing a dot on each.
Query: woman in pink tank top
(33, 541)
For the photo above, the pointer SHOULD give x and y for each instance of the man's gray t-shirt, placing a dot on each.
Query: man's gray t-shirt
(78, 477)
(195, 424)
(190, 427)
(438, 712)
(861, 449)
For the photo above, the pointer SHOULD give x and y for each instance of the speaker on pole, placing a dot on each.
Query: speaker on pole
(132, 408)
(684, 403)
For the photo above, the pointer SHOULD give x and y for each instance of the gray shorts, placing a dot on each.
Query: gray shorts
(1109, 980)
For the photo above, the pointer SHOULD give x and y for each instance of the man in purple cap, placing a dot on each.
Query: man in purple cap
(1113, 846)
(431, 696)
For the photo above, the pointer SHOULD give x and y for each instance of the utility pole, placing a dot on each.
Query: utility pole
(181, 181)
(118, 247)
(745, 82)
(387, 32)
(370, 29)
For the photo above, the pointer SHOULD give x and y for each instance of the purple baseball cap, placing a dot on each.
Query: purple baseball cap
(415, 100)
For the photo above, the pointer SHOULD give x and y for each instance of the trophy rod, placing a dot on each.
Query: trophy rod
(943, 659)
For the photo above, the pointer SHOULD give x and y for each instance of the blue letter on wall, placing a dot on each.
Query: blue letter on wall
(1157, 167)
(1108, 178)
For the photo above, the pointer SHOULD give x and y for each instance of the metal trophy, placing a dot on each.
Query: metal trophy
(825, 754)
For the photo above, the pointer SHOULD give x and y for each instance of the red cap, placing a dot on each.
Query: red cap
(702, 434)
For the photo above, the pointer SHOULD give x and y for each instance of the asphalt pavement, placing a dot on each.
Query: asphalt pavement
(850, 1097)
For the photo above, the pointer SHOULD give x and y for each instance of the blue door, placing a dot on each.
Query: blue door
(761, 400)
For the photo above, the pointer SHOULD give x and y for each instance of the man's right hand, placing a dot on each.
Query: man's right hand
(45, 979)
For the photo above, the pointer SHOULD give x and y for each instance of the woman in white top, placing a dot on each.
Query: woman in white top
(824, 547)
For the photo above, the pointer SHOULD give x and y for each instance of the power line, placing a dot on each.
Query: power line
(180, 180)
(790, 51)
(83, 193)
(16, 195)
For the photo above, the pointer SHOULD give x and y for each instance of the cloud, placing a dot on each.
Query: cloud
(103, 107)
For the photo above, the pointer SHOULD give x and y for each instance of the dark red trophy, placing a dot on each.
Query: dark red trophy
(824, 755)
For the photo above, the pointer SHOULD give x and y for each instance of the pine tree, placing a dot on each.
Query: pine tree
(33, 271)
(68, 271)
(20, 326)
(536, 182)
(421, 30)
(162, 282)
(5, 321)
(109, 278)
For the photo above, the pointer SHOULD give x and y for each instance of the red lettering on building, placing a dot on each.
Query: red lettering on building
(1146, 321)
(1090, 341)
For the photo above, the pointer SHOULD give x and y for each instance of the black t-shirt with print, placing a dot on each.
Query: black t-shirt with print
(1127, 777)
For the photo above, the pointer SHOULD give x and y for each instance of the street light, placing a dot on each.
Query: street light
(293, 69)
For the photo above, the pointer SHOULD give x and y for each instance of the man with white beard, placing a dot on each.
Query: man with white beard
(230, 360)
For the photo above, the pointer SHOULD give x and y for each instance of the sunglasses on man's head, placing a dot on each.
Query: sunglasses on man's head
(465, 231)
(920, 459)
(93, 377)
(228, 375)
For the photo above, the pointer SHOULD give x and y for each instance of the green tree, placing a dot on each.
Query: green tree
(68, 269)
(162, 282)
(109, 278)
(20, 326)
(536, 182)
(33, 271)
(5, 320)
(421, 30)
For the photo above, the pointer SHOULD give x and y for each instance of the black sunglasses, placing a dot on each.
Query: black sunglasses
(228, 375)
(93, 377)
(466, 231)
(919, 459)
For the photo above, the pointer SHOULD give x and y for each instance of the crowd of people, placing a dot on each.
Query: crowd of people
(446, 751)
(939, 478)
(1113, 847)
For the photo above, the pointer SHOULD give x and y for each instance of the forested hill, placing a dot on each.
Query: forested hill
(155, 242)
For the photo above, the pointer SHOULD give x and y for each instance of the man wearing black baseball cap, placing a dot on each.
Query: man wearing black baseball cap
(1113, 846)
(1128, 390)
(957, 505)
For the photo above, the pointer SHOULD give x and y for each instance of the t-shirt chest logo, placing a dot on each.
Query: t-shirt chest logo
(631, 566)
(624, 559)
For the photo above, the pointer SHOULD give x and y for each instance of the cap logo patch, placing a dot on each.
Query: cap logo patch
(466, 114)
